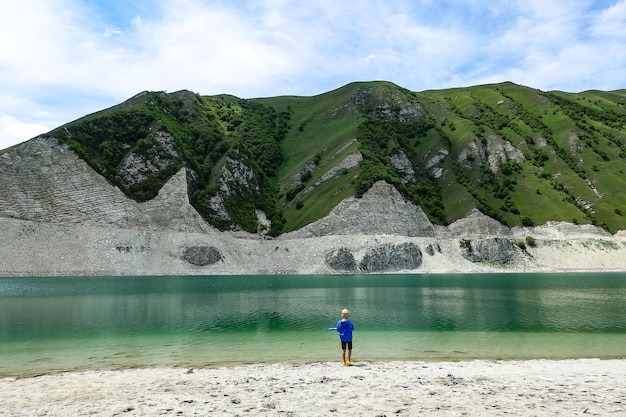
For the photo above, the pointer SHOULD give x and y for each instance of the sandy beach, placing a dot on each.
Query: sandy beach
(474, 388)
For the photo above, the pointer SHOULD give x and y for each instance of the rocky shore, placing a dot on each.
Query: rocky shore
(37, 249)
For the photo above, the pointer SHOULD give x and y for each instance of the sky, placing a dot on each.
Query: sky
(63, 59)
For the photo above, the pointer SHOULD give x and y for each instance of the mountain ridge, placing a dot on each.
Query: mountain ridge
(369, 177)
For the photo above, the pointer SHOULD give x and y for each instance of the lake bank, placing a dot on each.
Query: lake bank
(492, 388)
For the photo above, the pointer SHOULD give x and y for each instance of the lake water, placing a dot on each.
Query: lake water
(70, 323)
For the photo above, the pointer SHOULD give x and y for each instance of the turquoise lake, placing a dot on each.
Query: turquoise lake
(74, 323)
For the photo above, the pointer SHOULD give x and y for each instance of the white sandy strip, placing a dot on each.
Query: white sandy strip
(477, 388)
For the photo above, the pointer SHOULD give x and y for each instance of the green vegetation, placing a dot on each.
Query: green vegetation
(380, 141)
(520, 155)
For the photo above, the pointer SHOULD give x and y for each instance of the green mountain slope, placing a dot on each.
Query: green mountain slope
(520, 155)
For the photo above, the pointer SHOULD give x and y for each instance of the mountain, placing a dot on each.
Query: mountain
(519, 155)
(488, 169)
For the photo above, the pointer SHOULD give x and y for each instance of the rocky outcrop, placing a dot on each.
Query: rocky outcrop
(236, 178)
(493, 150)
(432, 162)
(386, 257)
(432, 248)
(202, 255)
(341, 259)
(383, 102)
(42, 180)
(382, 210)
(499, 151)
(171, 210)
(350, 161)
(403, 165)
(389, 257)
(138, 167)
(474, 224)
(563, 230)
(492, 249)
(388, 104)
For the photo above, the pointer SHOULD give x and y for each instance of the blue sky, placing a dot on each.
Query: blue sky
(63, 59)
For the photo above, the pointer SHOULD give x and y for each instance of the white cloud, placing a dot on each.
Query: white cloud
(549, 45)
(209, 48)
(111, 31)
(15, 131)
(611, 23)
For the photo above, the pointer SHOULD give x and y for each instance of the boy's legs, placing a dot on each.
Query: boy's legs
(350, 352)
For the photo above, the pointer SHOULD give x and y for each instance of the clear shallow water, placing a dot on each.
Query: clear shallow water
(65, 323)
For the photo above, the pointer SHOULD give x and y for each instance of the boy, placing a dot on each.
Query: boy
(345, 328)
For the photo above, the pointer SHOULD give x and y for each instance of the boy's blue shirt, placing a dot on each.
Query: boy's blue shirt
(345, 328)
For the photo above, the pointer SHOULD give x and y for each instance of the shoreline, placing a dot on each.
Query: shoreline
(183, 367)
(90, 274)
(537, 387)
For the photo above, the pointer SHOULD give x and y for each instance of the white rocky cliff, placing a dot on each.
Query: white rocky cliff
(58, 217)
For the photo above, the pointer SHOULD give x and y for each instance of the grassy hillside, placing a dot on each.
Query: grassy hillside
(520, 155)
(573, 152)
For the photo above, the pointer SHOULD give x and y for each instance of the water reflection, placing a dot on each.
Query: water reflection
(166, 320)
